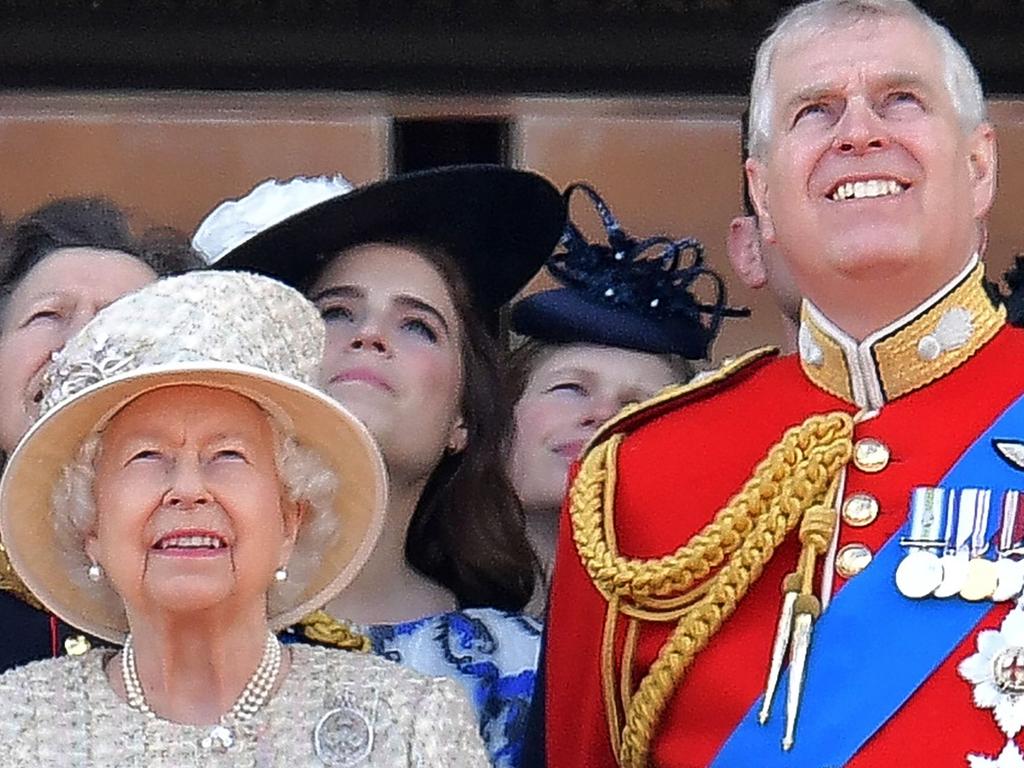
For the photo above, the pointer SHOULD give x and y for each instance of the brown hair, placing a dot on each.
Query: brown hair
(468, 532)
(85, 222)
(532, 353)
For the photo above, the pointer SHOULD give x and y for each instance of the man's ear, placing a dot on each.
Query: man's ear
(743, 246)
(757, 185)
(984, 160)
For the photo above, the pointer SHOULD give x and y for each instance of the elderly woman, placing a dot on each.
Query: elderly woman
(188, 492)
(409, 273)
(625, 323)
(59, 265)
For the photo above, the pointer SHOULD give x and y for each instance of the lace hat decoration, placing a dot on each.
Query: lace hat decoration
(632, 293)
(244, 333)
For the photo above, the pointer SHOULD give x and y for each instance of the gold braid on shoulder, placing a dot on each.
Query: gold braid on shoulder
(701, 583)
(10, 582)
(321, 627)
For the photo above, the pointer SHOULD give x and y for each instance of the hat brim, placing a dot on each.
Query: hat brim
(317, 422)
(500, 224)
(567, 316)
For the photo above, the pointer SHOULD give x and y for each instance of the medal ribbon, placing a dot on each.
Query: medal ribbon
(980, 524)
(1012, 538)
(874, 647)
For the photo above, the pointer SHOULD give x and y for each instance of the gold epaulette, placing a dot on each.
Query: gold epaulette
(699, 387)
(321, 627)
(9, 582)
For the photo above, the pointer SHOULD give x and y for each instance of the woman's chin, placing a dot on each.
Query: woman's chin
(188, 595)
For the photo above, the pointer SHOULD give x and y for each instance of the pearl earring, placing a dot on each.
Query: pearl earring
(280, 574)
(95, 572)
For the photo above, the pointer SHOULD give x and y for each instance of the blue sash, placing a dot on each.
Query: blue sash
(874, 647)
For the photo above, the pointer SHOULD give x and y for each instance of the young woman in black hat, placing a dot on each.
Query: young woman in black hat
(625, 322)
(409, 274)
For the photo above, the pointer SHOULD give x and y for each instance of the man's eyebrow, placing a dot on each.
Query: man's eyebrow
(822, 89)
(910, 80)
(810, 93)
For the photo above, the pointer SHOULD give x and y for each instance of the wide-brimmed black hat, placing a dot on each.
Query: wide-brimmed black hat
(499, 224)
(620, 295)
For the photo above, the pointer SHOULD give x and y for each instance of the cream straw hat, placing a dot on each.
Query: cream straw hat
(245, 333)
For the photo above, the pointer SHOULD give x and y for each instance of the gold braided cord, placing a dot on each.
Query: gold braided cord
(12, 583)
(613, 715)
(798, 474)
(321, 627)
(796, 478)
(628, 654)
(643, 580)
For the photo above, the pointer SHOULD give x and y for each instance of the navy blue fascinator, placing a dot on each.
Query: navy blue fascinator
(629, 293)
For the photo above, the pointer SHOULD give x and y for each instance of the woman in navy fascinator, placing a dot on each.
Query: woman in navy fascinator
(626, 320)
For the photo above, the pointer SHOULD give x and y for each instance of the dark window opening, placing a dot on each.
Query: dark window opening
(422, 144)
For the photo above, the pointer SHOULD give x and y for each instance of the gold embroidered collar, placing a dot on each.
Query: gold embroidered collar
(920, 347)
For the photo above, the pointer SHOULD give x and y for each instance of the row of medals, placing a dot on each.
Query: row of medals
(948, 551)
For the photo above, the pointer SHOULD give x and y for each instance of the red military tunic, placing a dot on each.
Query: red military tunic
(683, 457)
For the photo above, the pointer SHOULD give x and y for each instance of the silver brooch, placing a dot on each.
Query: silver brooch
(343, 737)
(219, 739)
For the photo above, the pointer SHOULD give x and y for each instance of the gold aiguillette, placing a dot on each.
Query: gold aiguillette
(800, 608)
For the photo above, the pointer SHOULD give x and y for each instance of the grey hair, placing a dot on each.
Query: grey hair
(813, 18)
(305, 475)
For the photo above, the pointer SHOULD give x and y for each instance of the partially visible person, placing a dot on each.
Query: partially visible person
(409, 274)
(189, 495)
(59, 265)
(1014, 278)
(625, 323)
(758, 264)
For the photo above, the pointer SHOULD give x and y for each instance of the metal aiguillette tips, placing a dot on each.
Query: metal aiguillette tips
(783, 630)
(800, 609)
(807, 610)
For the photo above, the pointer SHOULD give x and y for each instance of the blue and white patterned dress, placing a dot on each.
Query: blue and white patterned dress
(492, 653)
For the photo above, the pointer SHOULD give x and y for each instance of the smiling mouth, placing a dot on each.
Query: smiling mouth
(869, 188)
(196, 544)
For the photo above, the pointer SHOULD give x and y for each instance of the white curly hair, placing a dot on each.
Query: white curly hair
(305, 475)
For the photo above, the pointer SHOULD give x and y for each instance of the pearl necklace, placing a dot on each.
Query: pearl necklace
(249, 702)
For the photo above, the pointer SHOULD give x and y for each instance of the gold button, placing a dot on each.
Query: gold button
(852, 559)
(860, 509)
(77, 645)
(870, 455)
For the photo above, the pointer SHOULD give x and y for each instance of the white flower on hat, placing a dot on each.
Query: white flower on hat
(234, 221)
(997, 672)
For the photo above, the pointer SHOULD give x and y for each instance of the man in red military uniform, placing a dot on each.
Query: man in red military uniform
(767, 518)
